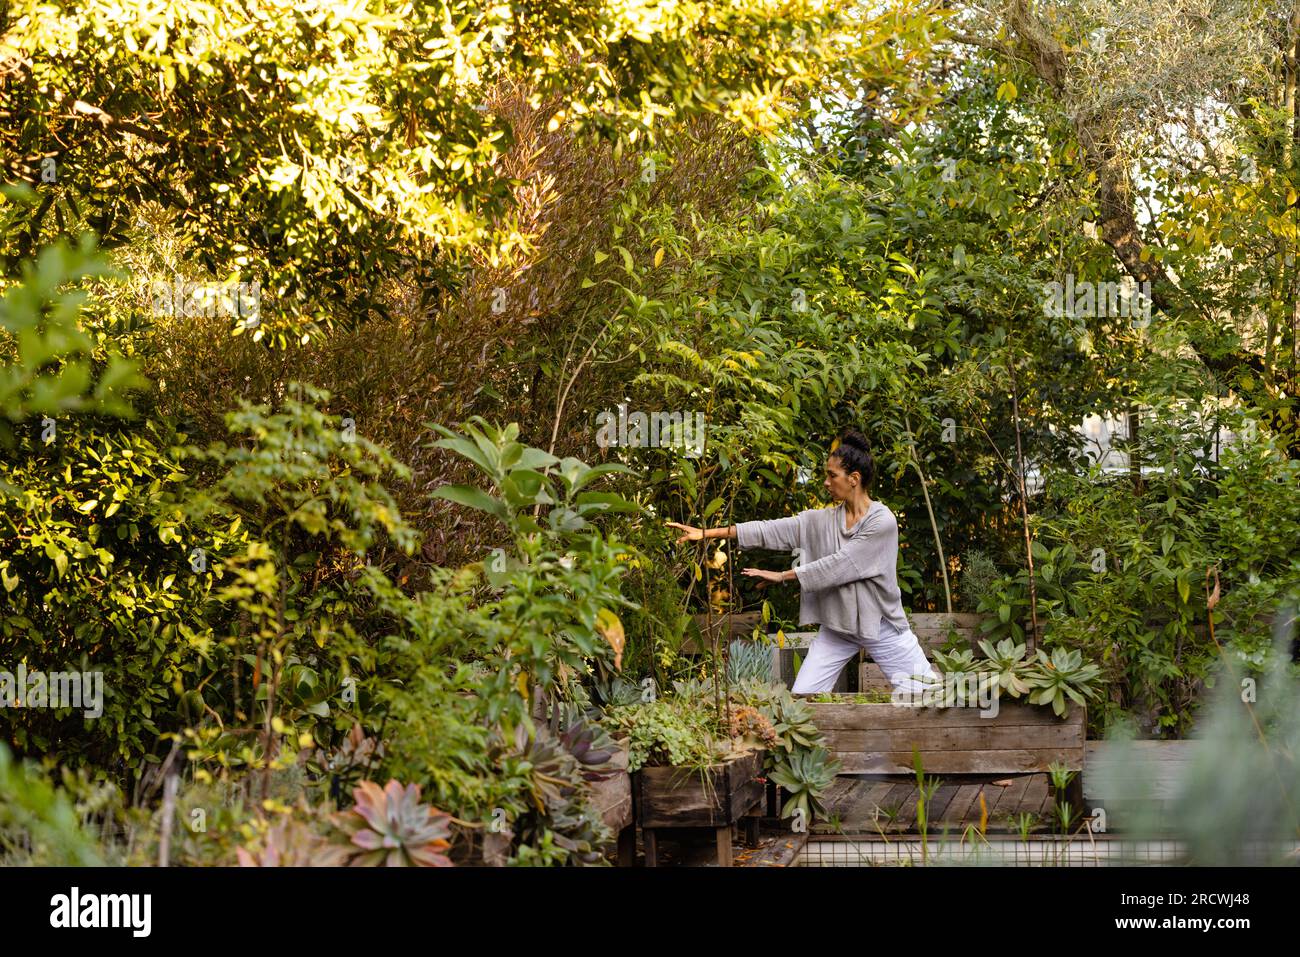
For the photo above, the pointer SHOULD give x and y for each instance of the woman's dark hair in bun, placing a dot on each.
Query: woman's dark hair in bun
(855, 456)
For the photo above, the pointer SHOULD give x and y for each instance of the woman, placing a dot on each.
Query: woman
(847, 572)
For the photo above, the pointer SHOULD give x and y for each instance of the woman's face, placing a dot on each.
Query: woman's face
(838, 483)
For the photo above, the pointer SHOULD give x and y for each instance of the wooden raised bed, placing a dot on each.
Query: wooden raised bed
(675, 797)
(878, 738)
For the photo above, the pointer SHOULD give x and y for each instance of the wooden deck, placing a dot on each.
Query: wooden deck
(874, 803)
(887, 803)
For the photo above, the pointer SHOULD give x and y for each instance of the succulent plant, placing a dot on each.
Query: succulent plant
(390, 827)
(806, 775)
(349, 762)
(618, 693)
(291, 843)
(752, 726)
(692, 689)
(1064, 673)
(592, 747)
(1007, 661)
(560, 815)
(957, 662)
(748, 659)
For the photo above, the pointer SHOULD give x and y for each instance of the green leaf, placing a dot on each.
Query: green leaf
(607, 501)
(532, 458)
(474, 498)
(470, 451)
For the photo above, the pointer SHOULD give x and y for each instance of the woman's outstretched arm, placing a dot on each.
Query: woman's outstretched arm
(692, 534)
(779, 534)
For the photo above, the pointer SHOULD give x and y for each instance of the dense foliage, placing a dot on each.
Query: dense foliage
(317, 320)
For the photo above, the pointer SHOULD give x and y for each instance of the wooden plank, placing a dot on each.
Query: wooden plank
(741, 780)
(904, 795)
(773, 852)
(997, 798)
(827, 715)
(1120, 767)
(880, 794)
(866, 797)
(888, 795)
(1001, 761)
(938, 804)
(990, 795)
(1023, 737)
(742, 625)
(967, 797)
(959, 619)
(612, 797)
(1011, 801)
(860, 809)
(1036, 797)
(872, 678)
(841, 790)
(907, 815)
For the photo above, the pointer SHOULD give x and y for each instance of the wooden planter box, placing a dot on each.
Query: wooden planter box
(674, 797)
(1022, 738)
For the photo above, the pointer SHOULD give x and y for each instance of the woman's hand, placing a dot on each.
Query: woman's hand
(765, 575)
(689, 532)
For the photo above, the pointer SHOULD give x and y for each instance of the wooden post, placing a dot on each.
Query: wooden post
(724, 845)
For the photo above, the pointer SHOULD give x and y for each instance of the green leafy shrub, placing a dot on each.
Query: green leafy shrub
(99, 573)
(978, 576)
(47, 362)
(39, 821)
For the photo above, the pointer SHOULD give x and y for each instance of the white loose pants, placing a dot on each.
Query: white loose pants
(899, 655)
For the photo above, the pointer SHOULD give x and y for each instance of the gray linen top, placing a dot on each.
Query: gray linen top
(848, 577)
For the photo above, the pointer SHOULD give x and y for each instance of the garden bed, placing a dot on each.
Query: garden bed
(717, 798)
(878, 738)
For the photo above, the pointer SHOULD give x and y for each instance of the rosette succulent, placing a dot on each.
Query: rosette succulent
(389, 827)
